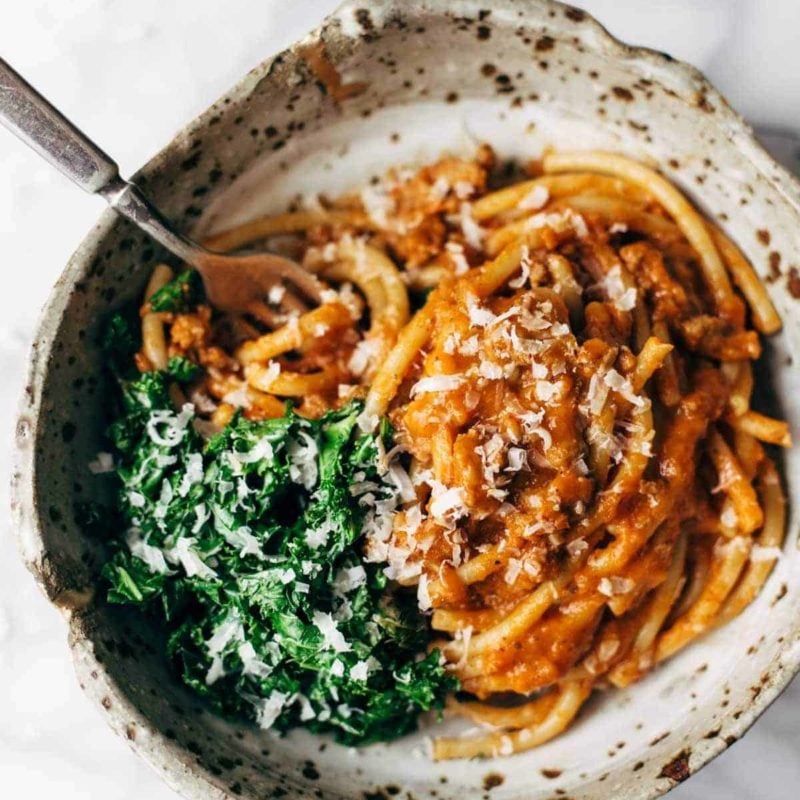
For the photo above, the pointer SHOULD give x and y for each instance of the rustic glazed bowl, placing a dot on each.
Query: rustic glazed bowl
(437, 76)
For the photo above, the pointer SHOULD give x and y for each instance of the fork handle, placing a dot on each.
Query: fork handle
(44, 128)
(27, 114)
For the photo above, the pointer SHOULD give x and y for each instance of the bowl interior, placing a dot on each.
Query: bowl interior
(439, 77)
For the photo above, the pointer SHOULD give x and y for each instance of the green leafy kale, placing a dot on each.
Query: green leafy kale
(120, 340)
(181, 294)
(249, 545)
(182, 369)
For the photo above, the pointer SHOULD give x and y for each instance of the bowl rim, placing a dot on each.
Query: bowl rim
(171, 760)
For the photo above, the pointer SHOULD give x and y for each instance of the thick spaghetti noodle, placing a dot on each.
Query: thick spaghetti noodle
(585, 488)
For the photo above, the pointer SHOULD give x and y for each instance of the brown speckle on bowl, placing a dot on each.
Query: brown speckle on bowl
(551, 774)
(191, 162)
(492, 780)
(659, 739)
(774, 265)
(782, 592)
(703, 103)
(678, 769)
(793, 282)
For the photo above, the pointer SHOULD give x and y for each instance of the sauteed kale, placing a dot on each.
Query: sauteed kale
(247, 543)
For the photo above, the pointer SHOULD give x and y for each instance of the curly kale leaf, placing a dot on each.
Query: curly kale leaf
(249, 546)
(180, 295)
(120, 340)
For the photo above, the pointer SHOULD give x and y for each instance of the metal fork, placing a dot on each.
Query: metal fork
(234, 283)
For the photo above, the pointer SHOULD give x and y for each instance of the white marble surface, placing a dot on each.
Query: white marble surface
(132, 73)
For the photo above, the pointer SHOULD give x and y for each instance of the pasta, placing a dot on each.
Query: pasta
(586, 490)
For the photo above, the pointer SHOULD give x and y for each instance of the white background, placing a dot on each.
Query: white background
(131, 72)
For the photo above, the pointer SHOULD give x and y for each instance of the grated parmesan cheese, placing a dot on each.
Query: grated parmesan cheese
(276, 294)
(378, 204)
(447, 505)
(184, 554)
(463, 189)
(363, 355)
(436, 383)
(729, 518)
(271, 374)
(490, 370)
(439, 188)
(423, 595)
(456, 253)
(193, 474)
(268, 710)
(303, 453)
(332, 637)
(623, 387)
(337, 668)
(513, 571)
(103, 462)
(152, 556)
(349, 579)
(359, 671)
(535, 199)
(517, 459)
(614, 586)
(525, 269)
(479, 316)
(619, 295)
(761, 553)
(576, 547)
(473, 233)
(238, 397)
(546, 391)
(166, 428)
(470, 346)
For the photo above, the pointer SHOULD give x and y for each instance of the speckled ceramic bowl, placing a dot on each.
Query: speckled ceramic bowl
(438, 76)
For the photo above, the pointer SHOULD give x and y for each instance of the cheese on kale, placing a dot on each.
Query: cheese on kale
(248, 545)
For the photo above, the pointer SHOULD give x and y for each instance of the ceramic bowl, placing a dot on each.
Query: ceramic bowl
(437, 76)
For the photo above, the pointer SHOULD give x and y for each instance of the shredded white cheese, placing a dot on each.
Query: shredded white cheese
(378, 204)
(332, 637)
(152, 556)
(436, 383)
(615, 290)
(303, 453)
(456, 253)
(276, 294)
(184, 554)
(535, 199)
(623, 387)
(423, 595)
(166, 428)
(614, 586)
(761, 553)
(103, 462)
(473, 233)
(269, 709)
(525, 269)
(364, 355)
